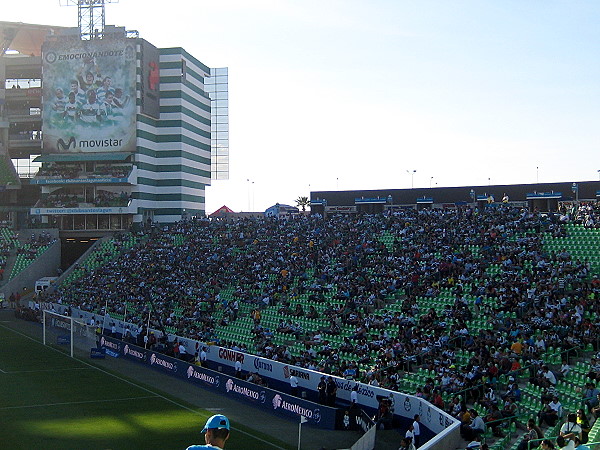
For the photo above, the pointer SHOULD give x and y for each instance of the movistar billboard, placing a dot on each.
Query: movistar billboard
(89, 95)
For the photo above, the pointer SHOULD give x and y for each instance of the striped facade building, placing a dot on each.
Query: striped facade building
(173, 158)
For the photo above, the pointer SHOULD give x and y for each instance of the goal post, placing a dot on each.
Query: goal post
(62, 330)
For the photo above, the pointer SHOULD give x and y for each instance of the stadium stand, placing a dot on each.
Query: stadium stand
(74, 170)
(483, 307)
(24, 251)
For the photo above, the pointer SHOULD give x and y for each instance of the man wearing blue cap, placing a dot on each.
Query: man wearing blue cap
(216, 433)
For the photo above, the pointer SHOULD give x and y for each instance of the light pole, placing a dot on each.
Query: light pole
(430, 181)
(412, 177)
(598, 174)
(537, 174)
(249, 184)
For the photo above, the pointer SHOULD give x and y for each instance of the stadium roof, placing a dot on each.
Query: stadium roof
(25, 38)
(222, 210)
(460, 194)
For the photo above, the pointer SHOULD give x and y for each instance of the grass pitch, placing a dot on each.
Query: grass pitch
(49, 400)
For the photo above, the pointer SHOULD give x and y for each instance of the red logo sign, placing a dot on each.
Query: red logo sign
(153, 76)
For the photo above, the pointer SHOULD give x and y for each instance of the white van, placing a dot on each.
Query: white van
(44, 283)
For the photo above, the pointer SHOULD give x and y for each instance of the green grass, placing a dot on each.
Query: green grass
(49, 400)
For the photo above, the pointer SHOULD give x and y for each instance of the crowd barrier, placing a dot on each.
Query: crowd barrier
(434, 422)
(260, 397)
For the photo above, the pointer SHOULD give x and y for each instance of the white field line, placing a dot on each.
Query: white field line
(143, 388)
(44, 405)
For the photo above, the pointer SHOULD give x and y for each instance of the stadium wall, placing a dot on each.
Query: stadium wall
(436, 423)
(259, 396)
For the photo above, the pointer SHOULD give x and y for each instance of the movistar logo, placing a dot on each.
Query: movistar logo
(61, 144)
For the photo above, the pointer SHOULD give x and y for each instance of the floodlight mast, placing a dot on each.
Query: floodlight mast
(90, 18)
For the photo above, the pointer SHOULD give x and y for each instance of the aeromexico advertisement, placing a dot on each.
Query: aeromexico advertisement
(89, 95)
(262, 397)
(405, 406)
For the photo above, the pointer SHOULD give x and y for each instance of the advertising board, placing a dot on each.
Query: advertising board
(77, 180)
(88, 95)
(405, 406)
(262, 397)
(92, 210)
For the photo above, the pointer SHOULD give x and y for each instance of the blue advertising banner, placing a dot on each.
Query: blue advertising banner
(91, 210)
(76, 180)
(261, 397)
(434, 421)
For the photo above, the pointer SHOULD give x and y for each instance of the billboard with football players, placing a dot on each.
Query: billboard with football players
(89, 95)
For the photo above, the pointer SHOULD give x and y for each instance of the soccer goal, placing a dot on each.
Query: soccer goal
(68, 332)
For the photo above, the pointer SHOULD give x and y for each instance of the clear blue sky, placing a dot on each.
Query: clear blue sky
(351, 94)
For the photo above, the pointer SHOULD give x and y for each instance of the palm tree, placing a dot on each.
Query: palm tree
(302, 202)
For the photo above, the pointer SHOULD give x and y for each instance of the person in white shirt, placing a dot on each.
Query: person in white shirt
(182, 351)
(203, 357)
(565, 369)
(549, 376)
(550, 412)
(354, 397)
(477, 423)
(410, 434)
(564, 444)
(571, 428)
(294, 385)
(417, 430)
(238, 368)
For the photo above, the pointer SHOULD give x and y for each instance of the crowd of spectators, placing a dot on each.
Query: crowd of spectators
(61, 200)
(73, 171)
(550, 292)
(109, 198)
(534, 301)
(11, 244)
(36, 241)
(584, 213)
(67, 171)
(112, 171)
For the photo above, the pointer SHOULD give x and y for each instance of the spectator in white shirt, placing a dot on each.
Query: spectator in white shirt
(417, 430)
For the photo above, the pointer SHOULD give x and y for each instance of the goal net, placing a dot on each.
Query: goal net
(67, 332)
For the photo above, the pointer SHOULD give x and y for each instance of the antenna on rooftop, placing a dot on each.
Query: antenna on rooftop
(90, 17)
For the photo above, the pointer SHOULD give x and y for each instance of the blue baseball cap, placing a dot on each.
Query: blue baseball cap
(215, 422)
